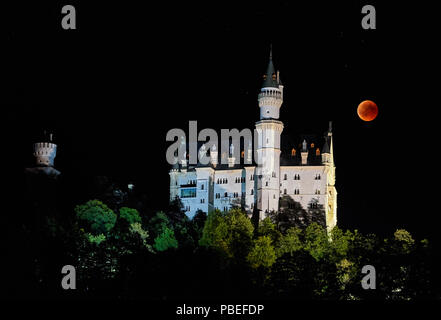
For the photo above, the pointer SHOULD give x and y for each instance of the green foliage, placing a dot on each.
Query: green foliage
(215, 231)
(158, 223)
(95, 217)
(262, 254)
(403, 241)
(137, 230)
(316, 241)
(230, 233)
(268, 228)
(239, 233)
(165, 240)
(340, 242)
(290, 242)
(96, 239)
(294, 263)
(130, 215)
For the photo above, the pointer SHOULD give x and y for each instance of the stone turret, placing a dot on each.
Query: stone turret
(45, 152)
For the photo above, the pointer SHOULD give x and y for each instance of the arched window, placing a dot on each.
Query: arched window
(317, 152)
(242, 154)
(284, 191)
(252, 192)
(312, 145)
(226, 194)
(293, 152)
(285, 177)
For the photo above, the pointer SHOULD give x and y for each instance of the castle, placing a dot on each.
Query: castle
(305, 174)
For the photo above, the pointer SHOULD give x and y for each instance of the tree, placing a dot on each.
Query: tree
(403, 241)
(165, 240)
(130, 215)
(268, 228)
(262, 253)
(230, 233)
(95, 217)
(158, 223)
(316, 241)
(215, 231)
(340, 243)
(290, 242)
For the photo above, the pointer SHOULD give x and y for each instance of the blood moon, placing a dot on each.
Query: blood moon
(367, 110)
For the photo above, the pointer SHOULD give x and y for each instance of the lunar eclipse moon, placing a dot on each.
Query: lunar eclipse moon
(367, 110)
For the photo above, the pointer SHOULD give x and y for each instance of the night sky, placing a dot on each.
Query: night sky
(111, 89)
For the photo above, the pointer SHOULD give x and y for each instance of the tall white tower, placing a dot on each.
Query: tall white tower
(269, 129)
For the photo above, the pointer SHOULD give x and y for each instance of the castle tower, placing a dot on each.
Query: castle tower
(331, 192)
(269, 129)
(45, 152)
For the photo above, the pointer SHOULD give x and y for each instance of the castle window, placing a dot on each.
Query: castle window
(284, 191)
(226, 194)
(202, 200)
(252, 192)
(274, 196)
(312, 145)
(293, 152)
(242, 154)
(266, 184)
(202, 187)
(317, 152)
(285, 177)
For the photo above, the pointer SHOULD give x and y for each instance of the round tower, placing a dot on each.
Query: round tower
(45, 151)
(269, 129)
(271, 95)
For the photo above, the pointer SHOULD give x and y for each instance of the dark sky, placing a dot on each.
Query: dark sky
(112, 89)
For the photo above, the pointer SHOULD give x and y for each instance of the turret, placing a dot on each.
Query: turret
(214, 156)
(327, 151)
(45, 151)
(271, 95)
(304, 153)
(231, 158)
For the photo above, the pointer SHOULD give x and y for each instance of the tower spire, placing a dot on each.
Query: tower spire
(270, 78)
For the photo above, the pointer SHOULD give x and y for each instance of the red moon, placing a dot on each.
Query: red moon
(367, 110)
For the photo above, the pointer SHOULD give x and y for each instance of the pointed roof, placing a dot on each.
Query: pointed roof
(328, 139)
(325, 148)
(270, 73)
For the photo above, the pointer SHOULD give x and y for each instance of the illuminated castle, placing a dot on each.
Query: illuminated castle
(302, 177)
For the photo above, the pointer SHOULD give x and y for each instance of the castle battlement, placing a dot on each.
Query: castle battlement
(44, 153)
